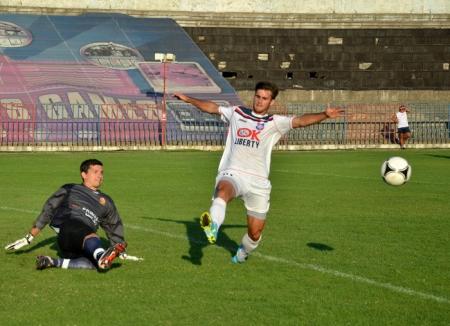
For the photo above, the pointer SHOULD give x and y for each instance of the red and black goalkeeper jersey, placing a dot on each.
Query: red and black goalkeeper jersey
(93, 208)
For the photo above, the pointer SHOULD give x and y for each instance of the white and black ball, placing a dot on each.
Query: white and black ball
(396, 171)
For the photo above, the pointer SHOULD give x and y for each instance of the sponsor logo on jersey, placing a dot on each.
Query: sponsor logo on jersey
(247, 137)
(91, 215)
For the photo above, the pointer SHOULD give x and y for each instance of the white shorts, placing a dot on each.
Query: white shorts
(254, 191)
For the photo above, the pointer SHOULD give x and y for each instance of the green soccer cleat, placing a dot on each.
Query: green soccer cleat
(209, 227)
(240, 257)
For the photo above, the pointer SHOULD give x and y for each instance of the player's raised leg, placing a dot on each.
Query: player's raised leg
(212, 220)
(209, 227)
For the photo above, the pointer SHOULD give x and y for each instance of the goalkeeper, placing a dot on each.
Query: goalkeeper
(75, 212)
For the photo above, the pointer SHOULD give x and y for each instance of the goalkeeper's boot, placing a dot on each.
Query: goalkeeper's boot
(110, 254)
(43, 262)
(240, 257)
(209, 227)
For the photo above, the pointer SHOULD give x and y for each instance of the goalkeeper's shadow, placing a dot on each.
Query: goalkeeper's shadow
(38, 245)
(52, 243)
(197, 239)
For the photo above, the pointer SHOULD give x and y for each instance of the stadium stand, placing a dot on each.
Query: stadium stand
(88, 80)
(329, 59)
(103, 80)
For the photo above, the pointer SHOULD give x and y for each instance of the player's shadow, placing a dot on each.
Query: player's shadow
(52, 242)
(49, 241)
(197, 239)
(319, 246)
(440, 156)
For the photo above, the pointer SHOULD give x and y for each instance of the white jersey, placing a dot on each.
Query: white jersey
(402, 119)
(250, 139)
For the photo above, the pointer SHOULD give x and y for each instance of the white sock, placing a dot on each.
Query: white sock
(248, 244)
(217, 211)
(65, 263)
(98, 253)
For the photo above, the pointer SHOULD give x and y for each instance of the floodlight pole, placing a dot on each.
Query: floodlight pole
(164, 58)
(164, 108)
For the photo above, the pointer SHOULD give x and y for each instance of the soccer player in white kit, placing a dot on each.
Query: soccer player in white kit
(245, 165)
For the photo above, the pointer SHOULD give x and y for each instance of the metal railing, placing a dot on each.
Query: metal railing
(371, 125)
(142, 126)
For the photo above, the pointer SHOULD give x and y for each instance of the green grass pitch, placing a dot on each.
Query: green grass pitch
(340, 247)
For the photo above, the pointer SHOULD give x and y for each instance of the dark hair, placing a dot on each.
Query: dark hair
(268, 86)
(88, 163)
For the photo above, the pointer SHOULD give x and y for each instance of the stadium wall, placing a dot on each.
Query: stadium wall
(415, 68)
(333, 65)
(249, 6)
(260, 13)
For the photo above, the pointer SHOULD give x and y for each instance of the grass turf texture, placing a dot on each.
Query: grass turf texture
(340, 247)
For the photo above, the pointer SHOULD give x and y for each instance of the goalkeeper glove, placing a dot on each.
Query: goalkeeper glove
(20, 243)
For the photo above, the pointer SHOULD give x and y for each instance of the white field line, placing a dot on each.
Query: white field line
(4, 208)
(313, 267)
(317, 268)
(356, 278)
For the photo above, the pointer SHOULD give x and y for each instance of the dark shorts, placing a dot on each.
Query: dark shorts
(70, 238)
(403, 130)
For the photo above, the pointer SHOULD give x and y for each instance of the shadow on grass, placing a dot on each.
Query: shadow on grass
(38, 245)
(440, 156)
(197, 239)
(52, 242)
(319, 246)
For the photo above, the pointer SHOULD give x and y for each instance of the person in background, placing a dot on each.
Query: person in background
(401, 119)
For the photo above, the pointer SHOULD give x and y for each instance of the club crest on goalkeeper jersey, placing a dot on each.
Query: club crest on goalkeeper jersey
(250, 140)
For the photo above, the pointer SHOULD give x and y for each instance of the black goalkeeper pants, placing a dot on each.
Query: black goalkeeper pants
(71, 237)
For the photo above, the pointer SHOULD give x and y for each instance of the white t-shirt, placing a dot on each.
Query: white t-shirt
(250, 139)
(402, 119)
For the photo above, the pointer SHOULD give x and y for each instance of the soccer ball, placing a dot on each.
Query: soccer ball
(396, 171)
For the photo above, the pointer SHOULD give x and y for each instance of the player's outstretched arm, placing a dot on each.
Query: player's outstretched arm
(205, 106)
(25, 241)
(312, 118)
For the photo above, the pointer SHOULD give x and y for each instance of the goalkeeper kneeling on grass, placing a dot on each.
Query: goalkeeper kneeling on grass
(75, 212)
